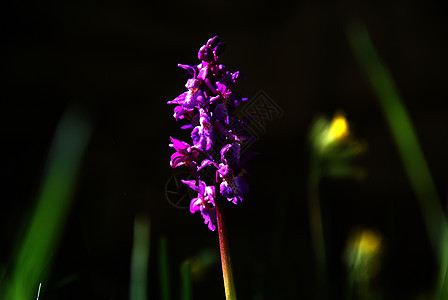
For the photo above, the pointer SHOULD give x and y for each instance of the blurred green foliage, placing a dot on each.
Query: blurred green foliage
(34, 253)
(139, 259)
(405, 138)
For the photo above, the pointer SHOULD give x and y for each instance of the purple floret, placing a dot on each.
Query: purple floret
(204, 202)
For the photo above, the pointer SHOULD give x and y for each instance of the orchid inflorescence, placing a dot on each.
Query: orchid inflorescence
(208, 109)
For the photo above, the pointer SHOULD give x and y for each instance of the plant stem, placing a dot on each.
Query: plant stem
(185, 274)
(316, 226)
(164, 274)
(227, 271)
(139, 258)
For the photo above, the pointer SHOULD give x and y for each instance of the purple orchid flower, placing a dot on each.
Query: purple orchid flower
(202, 134)
(234, 184)
(189, 100)
(204, 202)
(185, 154)
(208, 108)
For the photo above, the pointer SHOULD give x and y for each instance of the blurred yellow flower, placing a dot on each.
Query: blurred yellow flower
(369, 242)
(334, 148)
(332, 133)
(338, 127)
(364, 249)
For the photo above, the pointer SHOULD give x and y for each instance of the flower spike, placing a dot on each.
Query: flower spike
(207, 107)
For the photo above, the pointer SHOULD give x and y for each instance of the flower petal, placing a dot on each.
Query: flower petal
(180, 112)
(177, 159)
(224, 171)
(226, 190)
(213, 42)
(190, 69)
(191, 184)
(205, 54)
(193, 83)
(195, 205)
(191, 100)
(201, 138)
(187, 126)
(205, 163)
(230, 155)
(234, 188)
(202, 186)
(179, 145)
(203, 70)
(209, 195)
(179, 100)
(209, 216)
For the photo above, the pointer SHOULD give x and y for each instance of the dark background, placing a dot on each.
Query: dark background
(119, 59)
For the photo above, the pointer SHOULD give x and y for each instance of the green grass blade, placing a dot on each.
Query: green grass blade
(406, 140)
(53, 204)
(139, 259)
(185, 275)
(164, 275)
(38, 291)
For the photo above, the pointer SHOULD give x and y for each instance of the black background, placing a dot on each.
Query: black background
(119, 58)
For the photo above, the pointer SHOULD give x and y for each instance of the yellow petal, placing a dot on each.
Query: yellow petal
(338, 127)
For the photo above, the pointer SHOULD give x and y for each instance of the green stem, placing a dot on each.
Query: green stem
(185, 274)
(38, 291)
(139, 259)
(164, 276)
(316, 226)
(227, 271)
